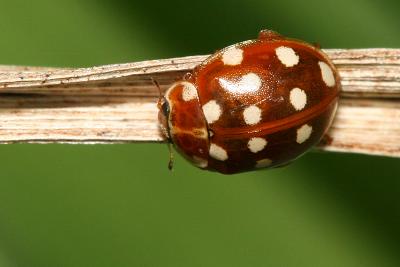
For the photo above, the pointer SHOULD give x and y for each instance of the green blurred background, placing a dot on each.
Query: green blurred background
(118, 205)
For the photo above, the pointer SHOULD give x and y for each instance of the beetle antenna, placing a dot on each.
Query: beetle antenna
(160, 97)
(158, 86)
(171, 157)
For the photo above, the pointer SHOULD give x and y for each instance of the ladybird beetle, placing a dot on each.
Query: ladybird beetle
(255, 104)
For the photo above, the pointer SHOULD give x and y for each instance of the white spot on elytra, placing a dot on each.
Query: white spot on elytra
(287, 56)
(200, 162)
(218, 152)
(189, 91)
(303, 133)
(263, 163)
(298, 98)
(249, 83)
(212, 111)
(327, 74)
(256, 144)
(195, 132)
(232, 56)
(252, 115)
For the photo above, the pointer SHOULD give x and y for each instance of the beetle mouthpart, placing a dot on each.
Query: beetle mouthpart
(171, 157)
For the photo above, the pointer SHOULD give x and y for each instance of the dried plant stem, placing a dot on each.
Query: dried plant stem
(116, 103)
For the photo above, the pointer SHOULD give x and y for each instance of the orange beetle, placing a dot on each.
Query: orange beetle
(259, 103)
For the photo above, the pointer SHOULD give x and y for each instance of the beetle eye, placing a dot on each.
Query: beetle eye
(165, 108)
